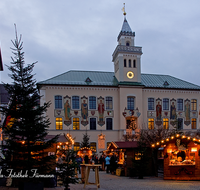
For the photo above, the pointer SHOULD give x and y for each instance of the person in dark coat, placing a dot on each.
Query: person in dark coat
(112, 164)
(86, 159)
(102, 162)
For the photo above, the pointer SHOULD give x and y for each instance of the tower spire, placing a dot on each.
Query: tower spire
(124, 12)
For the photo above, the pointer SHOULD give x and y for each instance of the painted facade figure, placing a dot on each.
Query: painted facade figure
(187, 111)
(84, 110)
(67, 110)
(101, 110)
(158, 111)
(173, 111)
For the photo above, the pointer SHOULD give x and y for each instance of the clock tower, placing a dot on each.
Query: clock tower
(127, 56)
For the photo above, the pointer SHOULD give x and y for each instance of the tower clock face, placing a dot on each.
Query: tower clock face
(130, 74)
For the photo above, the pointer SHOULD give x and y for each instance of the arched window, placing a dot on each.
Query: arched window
(134, 63)
(129, 63)
(124, 62)
(127, 43)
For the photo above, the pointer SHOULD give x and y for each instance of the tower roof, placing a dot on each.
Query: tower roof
(126, 27)
(126, 30)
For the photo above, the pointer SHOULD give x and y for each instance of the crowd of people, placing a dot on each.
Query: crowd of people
(107, 162)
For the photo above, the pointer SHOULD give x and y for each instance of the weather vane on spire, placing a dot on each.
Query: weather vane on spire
(123, 9)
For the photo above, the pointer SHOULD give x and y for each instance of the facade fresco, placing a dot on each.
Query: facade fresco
(173, 114)
(84, 111)
(101, 110)
(187, 112)
(67, 110)
(158, 112)
(173, 109)
(158, 109)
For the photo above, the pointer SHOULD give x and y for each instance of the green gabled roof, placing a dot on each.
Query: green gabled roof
(99, 78)
(166, 81)
(83, 78)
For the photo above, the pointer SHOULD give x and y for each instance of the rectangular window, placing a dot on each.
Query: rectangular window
(75, 102)
(194, 105)
(109, 103)
(180, 123)
(93, 146)
(194, 123)
(76, 146)
(180, 104)
(165, 123)
(58, 102)
(108, 123)
(165, 104)
(151, 123)
(130, 103)
(59, 123)
(150, 103)
(76, 124)
(93, 124)
(92, 103)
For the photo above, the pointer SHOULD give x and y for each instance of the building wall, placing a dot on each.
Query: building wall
(119, 112)
(172, 95)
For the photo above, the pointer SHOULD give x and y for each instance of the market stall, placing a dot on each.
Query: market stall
(181, 157)
(64, 142)
(126, 152)
(85, 151)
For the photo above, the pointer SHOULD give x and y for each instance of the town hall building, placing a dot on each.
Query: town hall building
(109, 105)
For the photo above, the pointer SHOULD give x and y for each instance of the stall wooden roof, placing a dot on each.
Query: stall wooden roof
(123, 144)
(61, 138)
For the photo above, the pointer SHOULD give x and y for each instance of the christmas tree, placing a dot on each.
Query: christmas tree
(85, 142)
(26, 125)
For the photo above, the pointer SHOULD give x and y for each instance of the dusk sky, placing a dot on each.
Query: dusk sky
(68, 35)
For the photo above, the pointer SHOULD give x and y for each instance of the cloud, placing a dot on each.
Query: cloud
(82, 35)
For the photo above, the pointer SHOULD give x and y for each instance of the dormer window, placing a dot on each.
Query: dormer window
(127, 43)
